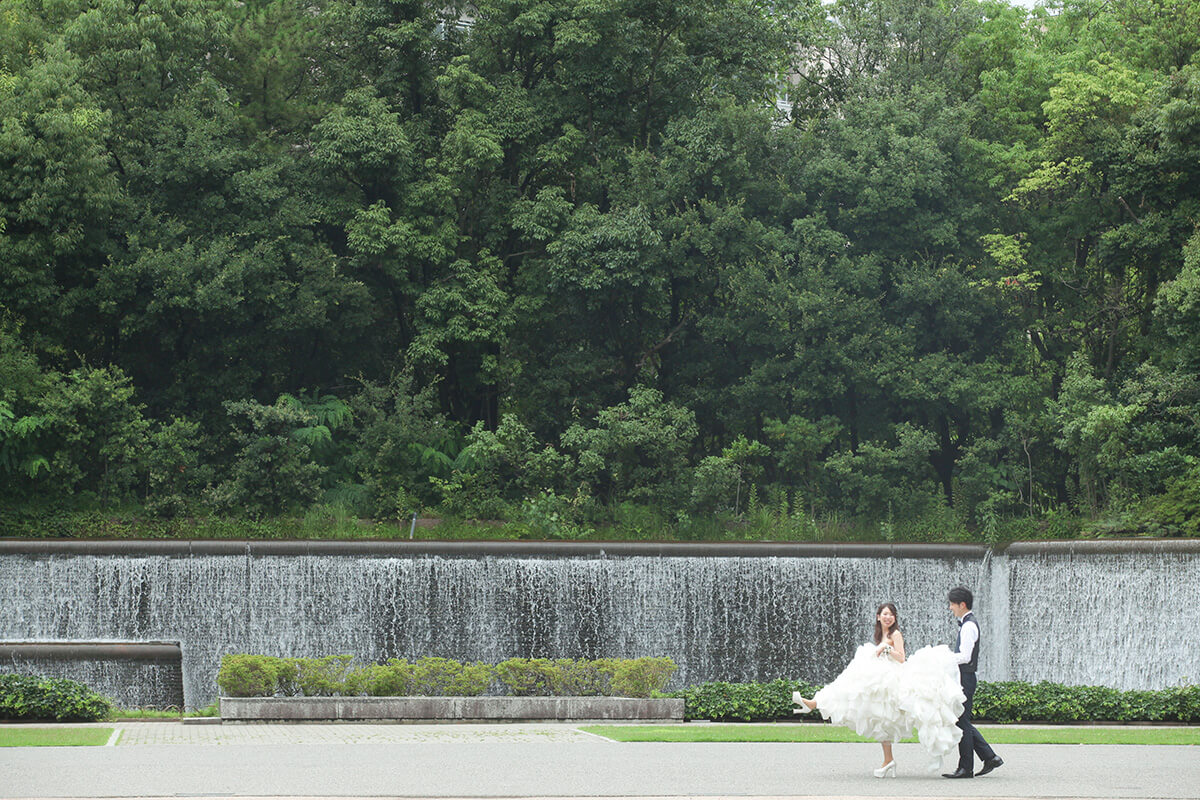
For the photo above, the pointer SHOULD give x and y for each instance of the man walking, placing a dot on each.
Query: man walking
(967, 649)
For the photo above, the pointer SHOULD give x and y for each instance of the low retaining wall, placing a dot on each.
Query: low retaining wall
(132, 674)
(458, 709)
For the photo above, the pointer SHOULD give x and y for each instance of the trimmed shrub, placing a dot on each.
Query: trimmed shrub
(528, 677)
(563, 677)
(471, 680)
(572, 678)
(444, 677)
(641, 677)
(286, 677)
(393, 679)
(244, 675)
(427, 677)
(27, 697)
(321, 677)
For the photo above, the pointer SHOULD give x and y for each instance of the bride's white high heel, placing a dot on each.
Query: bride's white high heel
(886, 770)
(804, 707)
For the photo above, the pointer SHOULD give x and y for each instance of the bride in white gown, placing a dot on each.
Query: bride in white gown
(883, 694)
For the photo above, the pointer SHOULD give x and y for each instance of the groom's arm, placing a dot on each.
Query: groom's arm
(966, 644)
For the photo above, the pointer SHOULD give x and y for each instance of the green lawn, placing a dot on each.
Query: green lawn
(212, 710)
(829, 733)
(53, 737)
(143, 713)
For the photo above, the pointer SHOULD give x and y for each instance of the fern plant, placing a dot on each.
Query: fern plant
(448, 457)
(17, 441)
(325, 414)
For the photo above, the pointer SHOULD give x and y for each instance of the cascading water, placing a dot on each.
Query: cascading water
(745, 614)
(1104, 618)
(131, 674)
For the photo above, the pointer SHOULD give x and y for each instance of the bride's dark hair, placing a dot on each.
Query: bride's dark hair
(879, 625)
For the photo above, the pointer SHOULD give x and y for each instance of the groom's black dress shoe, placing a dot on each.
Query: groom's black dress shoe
(990, 765)
(959, 773)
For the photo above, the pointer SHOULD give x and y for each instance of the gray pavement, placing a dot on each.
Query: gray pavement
(471, 761)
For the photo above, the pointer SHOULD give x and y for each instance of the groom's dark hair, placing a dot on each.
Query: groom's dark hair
(961, 594)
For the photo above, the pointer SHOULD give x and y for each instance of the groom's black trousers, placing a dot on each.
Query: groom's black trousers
(971, 743)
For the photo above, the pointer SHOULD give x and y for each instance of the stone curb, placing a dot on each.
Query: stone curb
(459, 709)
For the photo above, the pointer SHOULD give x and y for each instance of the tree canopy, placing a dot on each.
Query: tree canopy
(881, 260)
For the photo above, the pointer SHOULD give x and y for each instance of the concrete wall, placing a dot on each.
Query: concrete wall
(490, 709)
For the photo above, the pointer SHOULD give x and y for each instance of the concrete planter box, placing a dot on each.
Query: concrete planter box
(451, 709)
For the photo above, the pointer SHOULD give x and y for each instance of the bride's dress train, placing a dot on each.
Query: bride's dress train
(883, 700)
(932, 698)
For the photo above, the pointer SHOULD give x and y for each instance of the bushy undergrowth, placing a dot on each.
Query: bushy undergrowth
(136, 523)
(1001, 701)
(629, 523)
(245, 675)
(26, 697)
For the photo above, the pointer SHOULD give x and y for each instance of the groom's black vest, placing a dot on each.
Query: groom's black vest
(973, 664)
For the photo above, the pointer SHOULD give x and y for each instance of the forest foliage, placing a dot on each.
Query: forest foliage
(921, 263)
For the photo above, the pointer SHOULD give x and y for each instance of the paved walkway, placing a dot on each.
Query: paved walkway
(168, 759)
(148, 733)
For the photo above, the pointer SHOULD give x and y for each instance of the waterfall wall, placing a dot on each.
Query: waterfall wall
(723, 612)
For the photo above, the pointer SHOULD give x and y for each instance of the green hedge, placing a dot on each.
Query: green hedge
(27, 697)
(1017, 701)
(432, 677)
(1005, 701)
(742, 702)
(244, 675)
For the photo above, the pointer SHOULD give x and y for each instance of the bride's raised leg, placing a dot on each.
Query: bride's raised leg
(805, 704)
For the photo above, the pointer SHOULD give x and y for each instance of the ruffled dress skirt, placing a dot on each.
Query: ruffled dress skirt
(886, 701)
(932, 698)
(866, 697)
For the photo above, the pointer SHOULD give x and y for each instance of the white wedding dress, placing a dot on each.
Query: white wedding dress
(881, 699)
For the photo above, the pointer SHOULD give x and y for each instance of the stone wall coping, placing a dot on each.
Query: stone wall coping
(511, 709)
(476, 548)
(1103, 547)
(91, 651)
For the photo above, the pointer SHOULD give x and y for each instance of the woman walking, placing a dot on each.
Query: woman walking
(883, 694)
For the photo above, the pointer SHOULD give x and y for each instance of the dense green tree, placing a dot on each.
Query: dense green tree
(58, 191)
(272, 468)
(96, 432)
(547, 259)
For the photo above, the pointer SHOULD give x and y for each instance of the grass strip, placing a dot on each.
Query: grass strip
(143, 713)
(212, 710)
(54, 737)
(829, 733)
(1130, 735)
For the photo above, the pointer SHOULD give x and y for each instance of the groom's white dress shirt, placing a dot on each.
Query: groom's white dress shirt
(966, 643)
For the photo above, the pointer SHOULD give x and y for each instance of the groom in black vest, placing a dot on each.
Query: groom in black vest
(967, 649)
